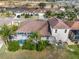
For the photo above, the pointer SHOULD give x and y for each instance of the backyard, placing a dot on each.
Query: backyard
(75, 53)
(31, 54)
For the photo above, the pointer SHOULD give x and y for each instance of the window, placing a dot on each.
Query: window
(56, 31)
(65, 31)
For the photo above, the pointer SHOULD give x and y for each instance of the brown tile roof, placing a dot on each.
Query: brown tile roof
(58, 24)
(34, 26)
(33, 10)
(75, 26)
(53, 21)
(69, 23)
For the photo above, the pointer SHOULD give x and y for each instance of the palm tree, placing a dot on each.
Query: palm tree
(6, 31)
(13, 28)
(35, 35)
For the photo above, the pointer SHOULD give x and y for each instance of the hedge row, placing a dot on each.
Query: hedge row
(28, 45)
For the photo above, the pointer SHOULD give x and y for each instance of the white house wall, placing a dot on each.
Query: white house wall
(41, 15)
(43, 38)
(20, 37)
(60, 35)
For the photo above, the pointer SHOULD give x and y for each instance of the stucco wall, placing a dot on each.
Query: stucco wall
(43, 38)
(20, 37)
(60, 34)
(41, 15)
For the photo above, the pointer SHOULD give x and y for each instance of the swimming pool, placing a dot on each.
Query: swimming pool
(21, 42)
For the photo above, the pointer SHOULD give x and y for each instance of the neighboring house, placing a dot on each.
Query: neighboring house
(18, 14)
(37, 12)
(29, 26)
(74, 31)
(31, 11)
(59, 29)
(63, 30)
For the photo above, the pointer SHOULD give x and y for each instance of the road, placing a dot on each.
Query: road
(9, 20)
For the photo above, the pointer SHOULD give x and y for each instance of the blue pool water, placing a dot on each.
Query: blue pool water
(21, 42)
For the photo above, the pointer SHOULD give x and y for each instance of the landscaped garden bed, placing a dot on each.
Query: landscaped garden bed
(13, 45)
(28, 45)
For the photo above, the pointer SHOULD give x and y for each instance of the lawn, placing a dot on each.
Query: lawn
(48, 53)
(75, 54)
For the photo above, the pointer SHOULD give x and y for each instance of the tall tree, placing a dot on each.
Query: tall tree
(48, 14)
(35, 35)
(6, 31)
(42, 5)
(71, 15)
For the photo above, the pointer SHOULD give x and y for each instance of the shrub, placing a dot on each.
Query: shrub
(48, 14)
(23, 14)
(13, 45)
(14, 28)
(27, 16)
(29, 45)
(8, 14)
(41, 45)
(46, 42)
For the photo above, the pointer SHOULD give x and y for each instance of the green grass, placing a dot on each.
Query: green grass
(75, 54)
